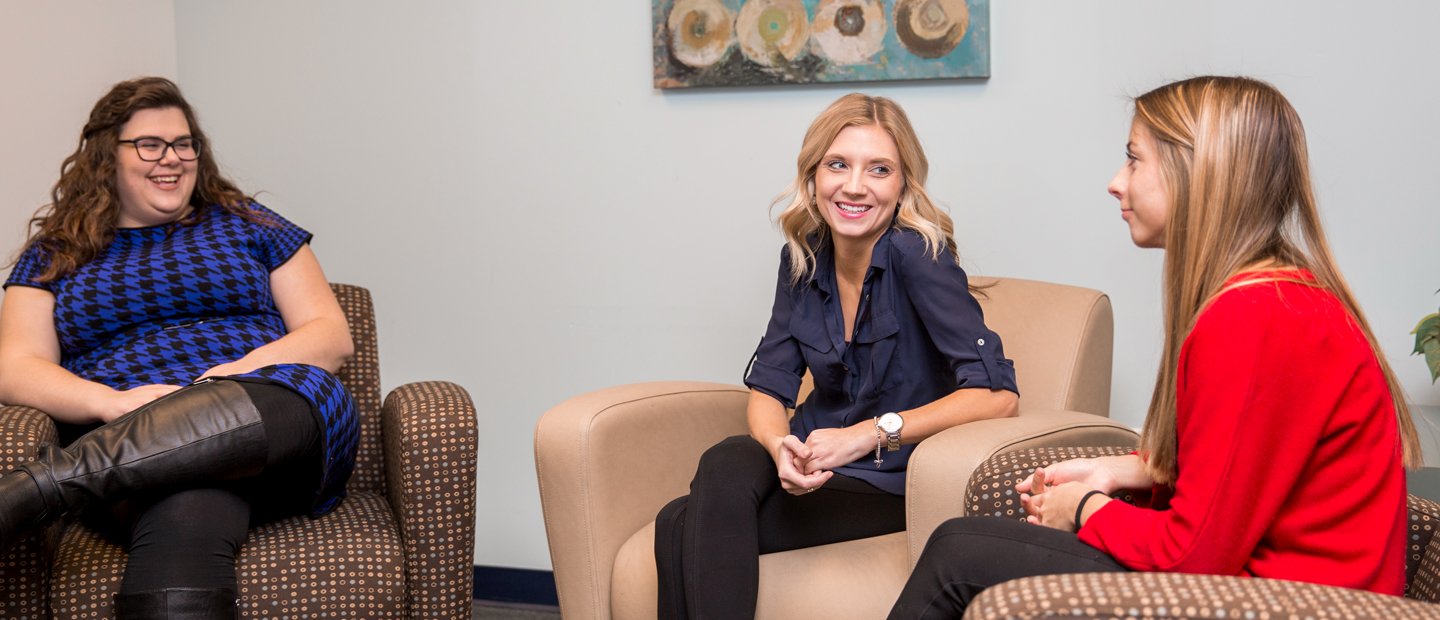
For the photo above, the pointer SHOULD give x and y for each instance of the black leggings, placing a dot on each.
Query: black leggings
(964, 556)
(708, 544)
(190, 538)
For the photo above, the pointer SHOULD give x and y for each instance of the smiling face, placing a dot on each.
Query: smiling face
(858, 184)
(1144, 198)
(153, 192)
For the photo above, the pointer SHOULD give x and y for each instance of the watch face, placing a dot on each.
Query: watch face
(891, 422)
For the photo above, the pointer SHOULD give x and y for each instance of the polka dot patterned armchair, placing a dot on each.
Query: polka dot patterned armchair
(399, 546)
(1170, 595)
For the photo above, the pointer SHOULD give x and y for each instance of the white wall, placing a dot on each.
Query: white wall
(536, 221)
(56, 59)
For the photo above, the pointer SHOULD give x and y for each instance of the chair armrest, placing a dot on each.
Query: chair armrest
(1172, 595)
(608, 460)
(22, 430)
(25, 568)
(940, 468)
(429, 430)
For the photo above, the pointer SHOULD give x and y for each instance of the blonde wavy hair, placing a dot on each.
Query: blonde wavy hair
(1234, 160)
(801, 220)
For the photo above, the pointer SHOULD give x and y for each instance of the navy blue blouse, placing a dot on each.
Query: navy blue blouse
(919, 336)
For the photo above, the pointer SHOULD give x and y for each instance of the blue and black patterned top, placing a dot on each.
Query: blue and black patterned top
(163, 304)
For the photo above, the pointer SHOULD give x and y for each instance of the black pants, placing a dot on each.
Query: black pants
(708, 544)
(191, 537)
(965, 556)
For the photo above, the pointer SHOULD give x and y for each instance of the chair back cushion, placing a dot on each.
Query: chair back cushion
(1060, 338)
(361, 375)
(1422, 551)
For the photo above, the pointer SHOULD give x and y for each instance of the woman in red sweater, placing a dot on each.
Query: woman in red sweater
(1276, 434)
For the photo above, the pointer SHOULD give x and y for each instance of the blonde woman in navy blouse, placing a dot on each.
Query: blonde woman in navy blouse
(871, 302)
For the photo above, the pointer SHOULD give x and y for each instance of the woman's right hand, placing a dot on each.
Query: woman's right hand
(1107, 474)
(790, 455)
(121, 402)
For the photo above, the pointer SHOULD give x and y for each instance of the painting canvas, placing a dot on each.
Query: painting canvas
(750, 42)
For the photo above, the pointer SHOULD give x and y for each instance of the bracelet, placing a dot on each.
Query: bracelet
(1080, 508)
(879, 440)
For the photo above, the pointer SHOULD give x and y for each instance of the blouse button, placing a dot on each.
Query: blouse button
(980, 342)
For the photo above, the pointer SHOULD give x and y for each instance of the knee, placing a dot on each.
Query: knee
(962, 535)
(735, 457)
(672, 516)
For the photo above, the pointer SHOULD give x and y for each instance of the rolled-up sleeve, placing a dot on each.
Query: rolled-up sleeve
(940, 293)
(777, 365)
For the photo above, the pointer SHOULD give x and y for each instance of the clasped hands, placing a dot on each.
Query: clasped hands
(806, 466)
(1051, 494)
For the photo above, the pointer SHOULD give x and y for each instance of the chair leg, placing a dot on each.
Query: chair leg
(178, 604)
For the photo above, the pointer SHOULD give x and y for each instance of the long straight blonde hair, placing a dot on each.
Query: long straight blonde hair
(801, 221)
(1232, 154)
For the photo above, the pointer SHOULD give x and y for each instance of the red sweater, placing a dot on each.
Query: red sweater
(1289, 461)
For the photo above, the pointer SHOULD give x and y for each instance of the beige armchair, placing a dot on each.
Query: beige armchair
(608, 460)
(399, 546)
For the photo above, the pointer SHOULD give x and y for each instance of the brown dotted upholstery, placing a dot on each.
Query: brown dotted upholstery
(1422, 558)
(992, 486)
(399, 546)
(1171, 595)
(1167, 595)
(25, 568)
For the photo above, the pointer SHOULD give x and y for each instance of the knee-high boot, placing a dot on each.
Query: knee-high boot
(204, 432)
(177, 604)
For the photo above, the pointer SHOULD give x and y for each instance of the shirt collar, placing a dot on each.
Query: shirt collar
(825, 262)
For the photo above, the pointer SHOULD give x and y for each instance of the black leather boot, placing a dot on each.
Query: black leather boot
(177, 604)
(204, 432)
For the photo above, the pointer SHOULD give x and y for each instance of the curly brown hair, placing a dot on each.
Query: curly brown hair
(85, 205)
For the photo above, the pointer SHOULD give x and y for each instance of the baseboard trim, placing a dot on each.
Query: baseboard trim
(515, 585)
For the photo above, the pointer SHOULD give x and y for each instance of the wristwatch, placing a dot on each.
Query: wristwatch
(890, 424)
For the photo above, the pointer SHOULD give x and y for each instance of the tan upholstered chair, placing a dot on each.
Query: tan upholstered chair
(399, 546)
(608, 460)
(1169, 595)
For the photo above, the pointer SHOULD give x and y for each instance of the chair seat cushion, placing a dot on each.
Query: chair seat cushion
(853, 579)
(346, 564)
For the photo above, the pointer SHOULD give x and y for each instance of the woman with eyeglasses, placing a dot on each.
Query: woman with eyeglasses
(184, 339)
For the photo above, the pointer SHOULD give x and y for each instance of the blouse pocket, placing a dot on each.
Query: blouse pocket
(810, 333)
(882, 336)
(821, 357)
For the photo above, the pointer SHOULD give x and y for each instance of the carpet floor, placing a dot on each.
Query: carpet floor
(489, 610)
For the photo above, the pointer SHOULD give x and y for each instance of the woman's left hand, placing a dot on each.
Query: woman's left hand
(1056, 506)
(833, 447)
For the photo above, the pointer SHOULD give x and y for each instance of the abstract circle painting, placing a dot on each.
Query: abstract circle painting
(931, 28)
(705, 43)
(701, 31)
(849, 32)
(772, 32)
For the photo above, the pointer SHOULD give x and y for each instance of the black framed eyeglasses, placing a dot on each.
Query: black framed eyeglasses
(153, 149)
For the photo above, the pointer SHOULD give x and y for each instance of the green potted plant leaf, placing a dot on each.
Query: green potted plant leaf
(1427, 342)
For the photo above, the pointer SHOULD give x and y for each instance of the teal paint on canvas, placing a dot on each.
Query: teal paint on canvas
(737, 42)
